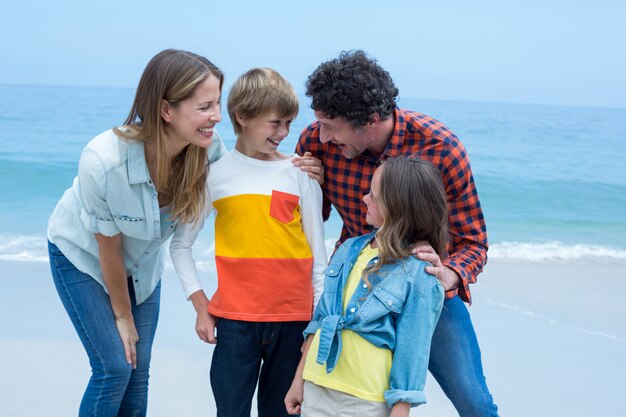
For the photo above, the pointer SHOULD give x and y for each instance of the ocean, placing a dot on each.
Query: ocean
(551, 179)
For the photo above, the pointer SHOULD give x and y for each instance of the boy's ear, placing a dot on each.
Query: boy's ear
(166, 111)
(240, 119)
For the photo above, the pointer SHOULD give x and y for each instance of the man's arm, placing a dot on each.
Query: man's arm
(468, 234)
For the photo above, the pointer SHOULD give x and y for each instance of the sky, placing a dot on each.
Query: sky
(546, 52)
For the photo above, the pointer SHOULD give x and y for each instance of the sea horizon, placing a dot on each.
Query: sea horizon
(548, 176)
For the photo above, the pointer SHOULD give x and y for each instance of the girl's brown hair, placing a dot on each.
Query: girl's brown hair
(172, 75)
(413, 204)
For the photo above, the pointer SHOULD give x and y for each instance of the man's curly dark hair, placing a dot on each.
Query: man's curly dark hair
(352, 86)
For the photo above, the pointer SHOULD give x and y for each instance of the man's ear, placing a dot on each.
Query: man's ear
(373, 120)
(166, 111)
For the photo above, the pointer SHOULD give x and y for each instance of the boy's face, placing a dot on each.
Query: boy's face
(260, 136)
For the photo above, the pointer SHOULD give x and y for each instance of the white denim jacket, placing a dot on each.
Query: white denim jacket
(113, 193)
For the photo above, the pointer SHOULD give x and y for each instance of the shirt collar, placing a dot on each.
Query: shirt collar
(394, 146)
(137, 167)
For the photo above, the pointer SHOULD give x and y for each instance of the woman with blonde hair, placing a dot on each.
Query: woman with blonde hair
(137, 185)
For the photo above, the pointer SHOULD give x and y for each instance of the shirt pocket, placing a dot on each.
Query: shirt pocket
(381, 303)
(131, 226)
(283, 205)
(332, 276)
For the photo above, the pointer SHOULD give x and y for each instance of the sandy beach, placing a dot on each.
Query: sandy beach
(552, 333)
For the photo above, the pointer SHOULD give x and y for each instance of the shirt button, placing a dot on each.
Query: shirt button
(332, 271)
(352, 310)
(364, 285)
(389, 302)
(375, 261)
(156, 222)
(146, 253)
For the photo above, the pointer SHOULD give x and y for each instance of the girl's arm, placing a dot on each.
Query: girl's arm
(414, 331)
(400, 409)
(295, 395)
(114, 274)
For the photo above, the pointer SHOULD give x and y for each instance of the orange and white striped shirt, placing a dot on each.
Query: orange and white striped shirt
(269, 240)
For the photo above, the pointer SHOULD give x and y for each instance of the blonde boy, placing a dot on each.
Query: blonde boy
(269, 250)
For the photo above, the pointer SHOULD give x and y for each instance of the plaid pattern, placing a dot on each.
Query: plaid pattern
(420, 136)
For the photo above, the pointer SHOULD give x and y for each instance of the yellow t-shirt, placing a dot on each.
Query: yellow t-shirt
(362, 369)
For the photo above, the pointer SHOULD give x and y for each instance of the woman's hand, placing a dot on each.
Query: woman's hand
(294, 397)
(311, 165)
(116, 282)
(128, 335)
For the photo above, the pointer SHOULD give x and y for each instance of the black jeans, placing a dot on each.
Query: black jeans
(243, 350)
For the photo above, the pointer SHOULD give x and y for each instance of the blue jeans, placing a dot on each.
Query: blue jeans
(115, 389)
(456, 364)
(243, 348)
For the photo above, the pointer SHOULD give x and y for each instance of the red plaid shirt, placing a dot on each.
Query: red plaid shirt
(416, 135)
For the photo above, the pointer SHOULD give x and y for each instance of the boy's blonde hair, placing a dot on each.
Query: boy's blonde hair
(258, 92)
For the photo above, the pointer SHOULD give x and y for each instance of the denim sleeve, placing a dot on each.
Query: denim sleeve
(414, 331)
(95, 213)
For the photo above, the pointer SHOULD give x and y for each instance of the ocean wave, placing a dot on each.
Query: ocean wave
(552, 250)
(23, 248)
(29, 248)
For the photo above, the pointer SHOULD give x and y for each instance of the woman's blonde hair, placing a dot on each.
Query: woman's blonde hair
(258, 92)
(413, 204)
(172, 75)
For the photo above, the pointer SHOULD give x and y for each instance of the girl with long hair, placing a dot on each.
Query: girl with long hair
(368, 343)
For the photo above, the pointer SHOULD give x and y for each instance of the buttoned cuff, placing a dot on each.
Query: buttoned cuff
(415, 398)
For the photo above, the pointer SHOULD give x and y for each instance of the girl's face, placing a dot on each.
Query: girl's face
(192, 120)
(374, 215)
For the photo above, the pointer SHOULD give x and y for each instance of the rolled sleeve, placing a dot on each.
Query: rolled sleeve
(415, 398)
(95, 213)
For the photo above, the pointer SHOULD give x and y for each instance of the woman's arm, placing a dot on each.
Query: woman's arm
(114, 273)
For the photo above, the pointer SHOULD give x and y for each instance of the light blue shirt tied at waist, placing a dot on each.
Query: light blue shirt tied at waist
(399, 313)
(113, 193)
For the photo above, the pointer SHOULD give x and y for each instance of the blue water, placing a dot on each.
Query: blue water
(550, 178)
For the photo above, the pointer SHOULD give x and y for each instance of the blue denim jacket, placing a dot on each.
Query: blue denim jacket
(113, 193)
(399, 313)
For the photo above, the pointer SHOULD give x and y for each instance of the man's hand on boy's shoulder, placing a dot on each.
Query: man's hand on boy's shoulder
(311, 165)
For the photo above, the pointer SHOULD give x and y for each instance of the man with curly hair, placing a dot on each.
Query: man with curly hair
(358, 126)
